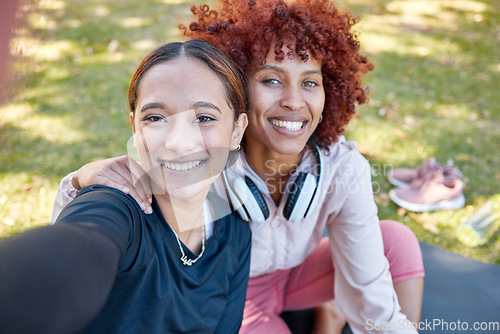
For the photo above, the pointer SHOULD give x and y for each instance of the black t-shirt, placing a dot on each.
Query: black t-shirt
(151, 291)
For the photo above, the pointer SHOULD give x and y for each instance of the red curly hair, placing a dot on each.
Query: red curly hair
(245, 30)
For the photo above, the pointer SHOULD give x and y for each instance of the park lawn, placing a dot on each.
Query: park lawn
(434, 92)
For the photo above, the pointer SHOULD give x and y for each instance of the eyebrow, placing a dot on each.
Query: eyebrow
(199, 104)
(280, 70)
(203, 104)
(152, 105)
(271, 68)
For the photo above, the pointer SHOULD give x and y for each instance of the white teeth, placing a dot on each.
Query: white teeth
(292, 126)
(185, 166)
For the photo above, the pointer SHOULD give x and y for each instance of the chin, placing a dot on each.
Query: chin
(289, 147)
(190, 191)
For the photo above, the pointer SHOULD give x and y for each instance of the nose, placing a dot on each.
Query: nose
(183, 136)
(292, 98)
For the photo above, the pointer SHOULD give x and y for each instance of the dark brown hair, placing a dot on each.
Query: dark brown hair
(245, 30)
(199, 49)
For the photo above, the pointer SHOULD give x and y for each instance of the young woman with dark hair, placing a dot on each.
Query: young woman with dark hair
(106, 266)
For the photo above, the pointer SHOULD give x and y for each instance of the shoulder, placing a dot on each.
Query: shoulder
(346, 179)
(236, 226)
(101, 205)
(102, 197)
(342, 159)
(103, 193)
(115, 214)
(235, 231)
(341, 152)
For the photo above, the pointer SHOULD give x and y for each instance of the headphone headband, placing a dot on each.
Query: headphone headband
(251, 204)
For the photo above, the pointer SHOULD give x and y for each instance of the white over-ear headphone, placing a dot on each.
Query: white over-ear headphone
(248, 201)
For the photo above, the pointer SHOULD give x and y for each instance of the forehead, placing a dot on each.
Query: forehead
(182, 78)
(291, 61)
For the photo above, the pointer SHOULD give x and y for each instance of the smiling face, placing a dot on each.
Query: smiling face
(183, 126)
(286, 102)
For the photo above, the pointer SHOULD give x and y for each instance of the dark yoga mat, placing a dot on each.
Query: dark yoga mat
(459, 293)
(459, 289)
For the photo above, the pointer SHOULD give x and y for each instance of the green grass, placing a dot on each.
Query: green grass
(434, 92)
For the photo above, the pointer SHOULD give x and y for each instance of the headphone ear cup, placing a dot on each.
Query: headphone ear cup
(253, 203)
(299, 200)
(234, 199)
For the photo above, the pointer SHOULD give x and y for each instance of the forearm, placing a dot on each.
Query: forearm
(55, 279)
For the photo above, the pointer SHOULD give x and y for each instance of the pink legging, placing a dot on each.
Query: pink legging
(310, 284)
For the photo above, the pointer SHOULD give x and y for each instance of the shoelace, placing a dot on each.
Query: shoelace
(430, 166)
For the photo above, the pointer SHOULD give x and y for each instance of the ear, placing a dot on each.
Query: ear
(239, 129)
(131, 120)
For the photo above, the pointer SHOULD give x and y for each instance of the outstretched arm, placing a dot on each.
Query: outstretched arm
(121, 173)
(56, 279)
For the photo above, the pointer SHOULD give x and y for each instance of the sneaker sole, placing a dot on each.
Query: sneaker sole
(452, 204)
(396, 182)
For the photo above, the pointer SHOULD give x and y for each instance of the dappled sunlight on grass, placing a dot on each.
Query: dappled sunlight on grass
(376, 42)
(458, 112)
(173, 2)
(25, 202)
(56, 50)
(25, 46)
(144, 45)
(39, 21)
(37, 126)
(101, 11)
(134, 22)
(52, 4)
(425, 14)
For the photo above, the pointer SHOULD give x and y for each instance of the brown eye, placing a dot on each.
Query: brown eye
(310, 84)
(204, 119)
(153, 118)
(271, 82)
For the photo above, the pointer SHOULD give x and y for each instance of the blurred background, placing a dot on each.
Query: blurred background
(434, 92)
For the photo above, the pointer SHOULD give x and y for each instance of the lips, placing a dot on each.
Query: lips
(181, 166)
(288, 125)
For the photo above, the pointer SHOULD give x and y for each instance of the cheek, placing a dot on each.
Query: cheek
(260, 100)
(218, 159)
(217, 137)
(253, 118)
(147, 140)
(319, 103)
(217, 143)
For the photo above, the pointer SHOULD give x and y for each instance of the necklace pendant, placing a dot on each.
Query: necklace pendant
(186, 261)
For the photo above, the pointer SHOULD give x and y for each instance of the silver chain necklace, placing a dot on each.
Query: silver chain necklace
(184, 259)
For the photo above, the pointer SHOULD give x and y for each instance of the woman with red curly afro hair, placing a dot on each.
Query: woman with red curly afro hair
(247, 30)
(303, 71)
(303, 68)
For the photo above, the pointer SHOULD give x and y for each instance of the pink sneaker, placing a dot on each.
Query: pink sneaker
(402, 177)
(430, 192)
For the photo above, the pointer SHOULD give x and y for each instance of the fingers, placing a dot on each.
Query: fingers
(139, 176)
(141, 188)
(129, 177)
